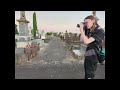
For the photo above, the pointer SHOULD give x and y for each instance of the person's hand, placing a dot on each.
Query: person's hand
(81, 27)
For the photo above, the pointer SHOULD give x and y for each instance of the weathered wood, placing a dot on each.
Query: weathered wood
(34, 48)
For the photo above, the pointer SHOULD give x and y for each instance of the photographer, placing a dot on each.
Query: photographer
(91, 35)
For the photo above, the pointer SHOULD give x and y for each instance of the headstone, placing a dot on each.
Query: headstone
(83, 48)
(43, 35)
(66, 36)
(23, 25)
(24, 37)
(29, 30)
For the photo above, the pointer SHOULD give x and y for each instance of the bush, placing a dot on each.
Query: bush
(49, 33)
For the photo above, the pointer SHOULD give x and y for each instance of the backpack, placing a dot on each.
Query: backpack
(100, 53)
(101, 56)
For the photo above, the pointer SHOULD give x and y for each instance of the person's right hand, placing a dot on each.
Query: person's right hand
(81, 27)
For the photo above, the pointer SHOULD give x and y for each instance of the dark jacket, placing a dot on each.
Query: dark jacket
(93, 47)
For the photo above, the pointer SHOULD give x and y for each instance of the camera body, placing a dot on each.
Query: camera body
(78, 25)
(85, 28)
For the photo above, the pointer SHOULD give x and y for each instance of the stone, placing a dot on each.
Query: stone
(43, 35)
(23, 37)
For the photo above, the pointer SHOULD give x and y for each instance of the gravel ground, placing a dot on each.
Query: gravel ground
(56, 62)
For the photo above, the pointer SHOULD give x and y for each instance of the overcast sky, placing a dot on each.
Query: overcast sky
(59, 21)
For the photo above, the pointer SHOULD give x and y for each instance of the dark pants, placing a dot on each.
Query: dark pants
(90, 68)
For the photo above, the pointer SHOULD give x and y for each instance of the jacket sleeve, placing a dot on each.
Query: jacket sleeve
(99, 35)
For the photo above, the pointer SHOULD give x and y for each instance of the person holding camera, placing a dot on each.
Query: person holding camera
(92, 35)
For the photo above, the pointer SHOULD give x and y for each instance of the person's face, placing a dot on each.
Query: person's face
(89, 23)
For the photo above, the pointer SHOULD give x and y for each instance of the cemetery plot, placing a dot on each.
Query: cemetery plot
(73, 45)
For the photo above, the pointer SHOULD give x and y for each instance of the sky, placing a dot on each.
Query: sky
(59, 21)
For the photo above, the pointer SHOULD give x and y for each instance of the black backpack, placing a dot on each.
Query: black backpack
(100, 55)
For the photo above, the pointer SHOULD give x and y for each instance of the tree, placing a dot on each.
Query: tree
(94, 14)
(16, 31)
(34, 25)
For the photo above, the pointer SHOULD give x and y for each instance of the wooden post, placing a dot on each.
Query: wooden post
(28, 49)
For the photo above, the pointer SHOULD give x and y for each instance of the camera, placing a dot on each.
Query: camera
(78, 25)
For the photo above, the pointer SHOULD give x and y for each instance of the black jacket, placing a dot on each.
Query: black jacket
(98, 34)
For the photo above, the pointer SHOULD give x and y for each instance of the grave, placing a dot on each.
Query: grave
(23, 37)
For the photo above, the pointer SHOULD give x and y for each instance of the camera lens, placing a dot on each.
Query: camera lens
(78, 25)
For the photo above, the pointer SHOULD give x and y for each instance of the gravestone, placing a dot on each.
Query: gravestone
(43, 35)
(23, 25)
(24, 37)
